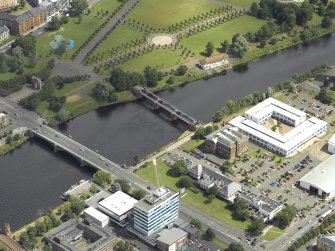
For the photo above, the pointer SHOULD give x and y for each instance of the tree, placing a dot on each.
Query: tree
(115, 187)
(61, 49)
(326, 83)
(151, 76)
(27, 43)
(181, 70)
(197, 223)
(124, 185)
(54, 23)
(18, 55)
(254, 9)
(178, 168)
(63, 115)
(185, 182)
(78, 7)
(9, 140)
(102, 178)
(240, 46)
(325, 96)
(40, 228)
(124, 246)
(139, 194)
(239, 209)
(256, 227)
(104, 92)
(25, 241)
(209, 49)
(200, 133)
(225, 46)
(170, 80)
(235, 247)
(77, 205)
(93, 189)
(326, 22)
(213, 191)
(227, 167)
(269, 92)
(48, 247)
(209, 235)
(285, 216)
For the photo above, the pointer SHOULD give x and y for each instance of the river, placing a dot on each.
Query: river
(33, 177)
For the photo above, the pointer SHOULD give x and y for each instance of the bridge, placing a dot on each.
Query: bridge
(83, 154)
(159, 103)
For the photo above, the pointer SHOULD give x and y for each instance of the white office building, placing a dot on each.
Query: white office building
(118, 207)
(331, 144)
(156, 210)
(320, 180)
(93, 215)
(284, 144)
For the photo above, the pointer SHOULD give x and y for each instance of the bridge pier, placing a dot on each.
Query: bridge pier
(56, 148)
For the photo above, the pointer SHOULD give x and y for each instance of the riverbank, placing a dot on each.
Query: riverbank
(6, 148)
(196, 74)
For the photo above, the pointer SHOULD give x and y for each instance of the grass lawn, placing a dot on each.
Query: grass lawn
(188, 146)
(78, 32)
(160, 58)
(124, 96)
(184, 134)
(242, 3)
(243, 24)
(273, 234)
(316, 20)
(118, 37)
(163, 13)
(217, 208)
(220, 243)
(20, 11)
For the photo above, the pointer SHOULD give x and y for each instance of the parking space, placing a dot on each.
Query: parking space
(200, 244)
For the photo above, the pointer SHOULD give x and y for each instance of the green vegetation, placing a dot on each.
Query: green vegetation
(9, 146)
(273, 233)
(165, 13)
(217, 208)
(243, 3)
(220, 243)
(284, 218)
(189, 145)
(116, 41)
(89, 22)
(235, 247)
(102, 178)
(184, 134)
(153, 59)
(196, 43)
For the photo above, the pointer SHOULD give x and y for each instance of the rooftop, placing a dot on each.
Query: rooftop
(328, 240)
(96, 214)
(322, 176)
(118, 203)
(170, 236)
(212, 59)
(29, 14)
(155, 198)
(332, 140)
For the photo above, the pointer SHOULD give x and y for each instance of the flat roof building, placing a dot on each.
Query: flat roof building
(326, 243)
(156, 210)
(320, 179)
(171, 239)
(118, 206)
(94, 215)
(267, 208)
(77, 236)
(331, 144)
(284, 144)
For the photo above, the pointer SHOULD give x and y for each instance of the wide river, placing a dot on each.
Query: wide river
(33, 177)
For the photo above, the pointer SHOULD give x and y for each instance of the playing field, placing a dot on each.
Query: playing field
(160, 58)
(197, 43)
(118, 37)
(162, 13)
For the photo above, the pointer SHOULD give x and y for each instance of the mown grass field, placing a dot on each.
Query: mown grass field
(160, 58)
(118, 37)
(242, 3)
(78, 32)
(163, 13)
(273, 233)
(243, 24)
(188, 146)
(217, 208)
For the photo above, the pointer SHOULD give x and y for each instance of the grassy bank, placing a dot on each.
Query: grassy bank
(6, 148)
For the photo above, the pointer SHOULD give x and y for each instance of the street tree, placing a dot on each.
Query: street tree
(209, 235)
(235, 247)
(78, 7)
(139, 194)
(197, 223)
(256, 227)
(124, 185)
(178, 168)
(185, 182)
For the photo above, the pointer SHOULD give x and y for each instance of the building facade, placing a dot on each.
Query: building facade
(51, 8)
(6, 20)
(331, 144)
(4, 34)
(156, 210)
(326, 243)
(93, 215)
(226, 142)
(171, 239)
(29, 21)
(213, 62)
(8, 4)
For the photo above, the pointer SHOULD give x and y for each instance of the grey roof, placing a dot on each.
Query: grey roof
(227, 135)
(30, 13)
(3, 29)
(261, 201)
(328, 240)
(230, 188)
(170, 236)
(6, 16)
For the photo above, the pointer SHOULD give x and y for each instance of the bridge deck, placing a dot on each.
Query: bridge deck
(166, 106)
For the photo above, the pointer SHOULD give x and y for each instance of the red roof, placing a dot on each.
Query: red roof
(212, 59)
